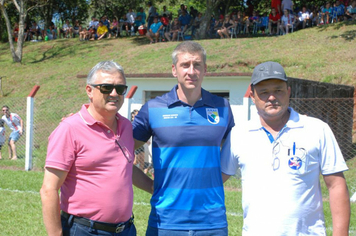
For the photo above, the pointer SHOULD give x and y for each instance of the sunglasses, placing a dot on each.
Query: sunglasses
(108, 88)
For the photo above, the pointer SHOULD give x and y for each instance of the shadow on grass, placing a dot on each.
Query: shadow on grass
(348, 35)
(8, 93)
(60, 49)
(4, 49)
(140, 40)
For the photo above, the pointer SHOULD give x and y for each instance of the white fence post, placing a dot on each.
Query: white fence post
(29, 127)
(247, 104)
(128, 100)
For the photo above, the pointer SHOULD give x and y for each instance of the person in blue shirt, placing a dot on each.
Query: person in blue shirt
(184, 20)
(142, 14)
(339, 11)
(188, 126)
(154, 29)
(327, 13)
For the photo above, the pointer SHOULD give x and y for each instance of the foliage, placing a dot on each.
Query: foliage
(113, 8)
(63, 10)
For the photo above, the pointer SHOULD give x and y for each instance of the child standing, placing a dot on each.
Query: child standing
(2, 135)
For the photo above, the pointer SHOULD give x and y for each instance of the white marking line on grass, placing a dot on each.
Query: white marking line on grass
(234, 213)
(18, 191)
(142, 203)
(136, 203)
(34, 192)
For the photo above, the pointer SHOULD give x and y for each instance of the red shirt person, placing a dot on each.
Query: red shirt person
(276, 4)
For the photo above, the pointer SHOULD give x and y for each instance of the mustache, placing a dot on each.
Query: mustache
(274, 103)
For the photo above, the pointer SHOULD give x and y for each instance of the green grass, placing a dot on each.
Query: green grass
(322, 53)
(21, 204)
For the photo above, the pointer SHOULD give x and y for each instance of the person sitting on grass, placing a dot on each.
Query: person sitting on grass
(252, 21)
(101, 32)
(185, 20)
(227, 25)
(91, 32)
(304, 18)
(274, 22)
(351, 11)
(77, 28)
(174, 30)
(67, 30)
(35, 30)
(288, 21)
(339, 9)
(326, 13)
(94, 23)
(218, 26)
(154, 30)
(106, 22)
(84, 34)
(124, 25)
(51, 31)
(138, 23)
(114, 27)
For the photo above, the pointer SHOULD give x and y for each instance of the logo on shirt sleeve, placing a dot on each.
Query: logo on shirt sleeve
(212, 115)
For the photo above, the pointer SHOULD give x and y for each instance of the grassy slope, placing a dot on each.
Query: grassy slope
(321, 54)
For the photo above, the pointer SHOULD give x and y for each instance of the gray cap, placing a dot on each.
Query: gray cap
(268, 70)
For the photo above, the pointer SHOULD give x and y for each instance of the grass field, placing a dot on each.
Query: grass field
(20, 212)
(322, 53)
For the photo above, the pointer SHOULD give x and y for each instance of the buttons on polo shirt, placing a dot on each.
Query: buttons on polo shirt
(108, 131)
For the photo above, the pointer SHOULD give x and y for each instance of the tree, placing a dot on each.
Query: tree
(22, 7)
(211, 5)
(112, 8)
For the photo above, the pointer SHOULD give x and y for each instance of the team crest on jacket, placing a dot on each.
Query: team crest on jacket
(212, 115)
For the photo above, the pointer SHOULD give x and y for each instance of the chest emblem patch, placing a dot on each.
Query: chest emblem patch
(212, 115)
(295, 163)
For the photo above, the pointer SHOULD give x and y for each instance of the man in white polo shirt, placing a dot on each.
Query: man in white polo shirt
(15, 123)
(281, 155)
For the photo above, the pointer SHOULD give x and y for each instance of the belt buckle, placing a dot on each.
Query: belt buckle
(119, 228)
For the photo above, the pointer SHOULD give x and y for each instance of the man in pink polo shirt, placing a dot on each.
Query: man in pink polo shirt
(90, 159)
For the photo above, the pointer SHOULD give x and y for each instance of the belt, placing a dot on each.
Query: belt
(108, 227)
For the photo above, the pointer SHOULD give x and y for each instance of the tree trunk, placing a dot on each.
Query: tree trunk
(16, 54)
(205, 23)
(1, 30)
(9, 34)
(20, 40)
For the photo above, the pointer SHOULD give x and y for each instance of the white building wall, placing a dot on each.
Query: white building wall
(235, 86)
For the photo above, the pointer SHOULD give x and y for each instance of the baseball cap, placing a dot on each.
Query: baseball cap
(268, 70)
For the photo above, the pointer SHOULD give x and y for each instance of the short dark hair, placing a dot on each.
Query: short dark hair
(188, 47)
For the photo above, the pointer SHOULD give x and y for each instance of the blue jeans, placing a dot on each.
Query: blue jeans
(71, 228)
(168, 232)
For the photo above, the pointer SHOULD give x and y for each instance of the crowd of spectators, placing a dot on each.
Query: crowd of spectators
(282, 18)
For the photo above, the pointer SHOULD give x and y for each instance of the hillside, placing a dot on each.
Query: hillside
(324, 53)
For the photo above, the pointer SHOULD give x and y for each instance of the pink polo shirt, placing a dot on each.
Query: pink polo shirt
(99, 181)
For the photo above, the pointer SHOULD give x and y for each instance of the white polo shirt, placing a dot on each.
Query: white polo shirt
(281, 192)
